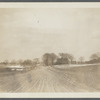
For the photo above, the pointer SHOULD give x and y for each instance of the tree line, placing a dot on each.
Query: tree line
(94, 58)
(66, 58)
(53, 59)
(50, 59)
(27, 62)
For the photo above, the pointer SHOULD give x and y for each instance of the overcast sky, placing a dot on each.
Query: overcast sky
(29, 33)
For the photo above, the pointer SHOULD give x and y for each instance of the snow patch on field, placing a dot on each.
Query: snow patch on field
(17, 66)
(74, 65)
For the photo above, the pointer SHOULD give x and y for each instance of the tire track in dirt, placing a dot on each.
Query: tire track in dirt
(50, 79)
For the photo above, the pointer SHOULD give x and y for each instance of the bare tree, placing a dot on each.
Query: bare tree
(20, 62)
(13, 62)
(27, 62)
(95, 58)
(70, 57)
(81, 59)
(6, 62)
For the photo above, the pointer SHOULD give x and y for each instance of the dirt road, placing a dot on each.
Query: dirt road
(49, 79)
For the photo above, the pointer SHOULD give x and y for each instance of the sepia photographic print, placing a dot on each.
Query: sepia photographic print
(49, 48)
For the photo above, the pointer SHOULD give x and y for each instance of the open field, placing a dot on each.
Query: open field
(52, 79)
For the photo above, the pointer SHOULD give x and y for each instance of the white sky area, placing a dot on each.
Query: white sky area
(29, 33)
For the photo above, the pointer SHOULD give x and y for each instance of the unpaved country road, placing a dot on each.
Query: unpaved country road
(51, 79)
